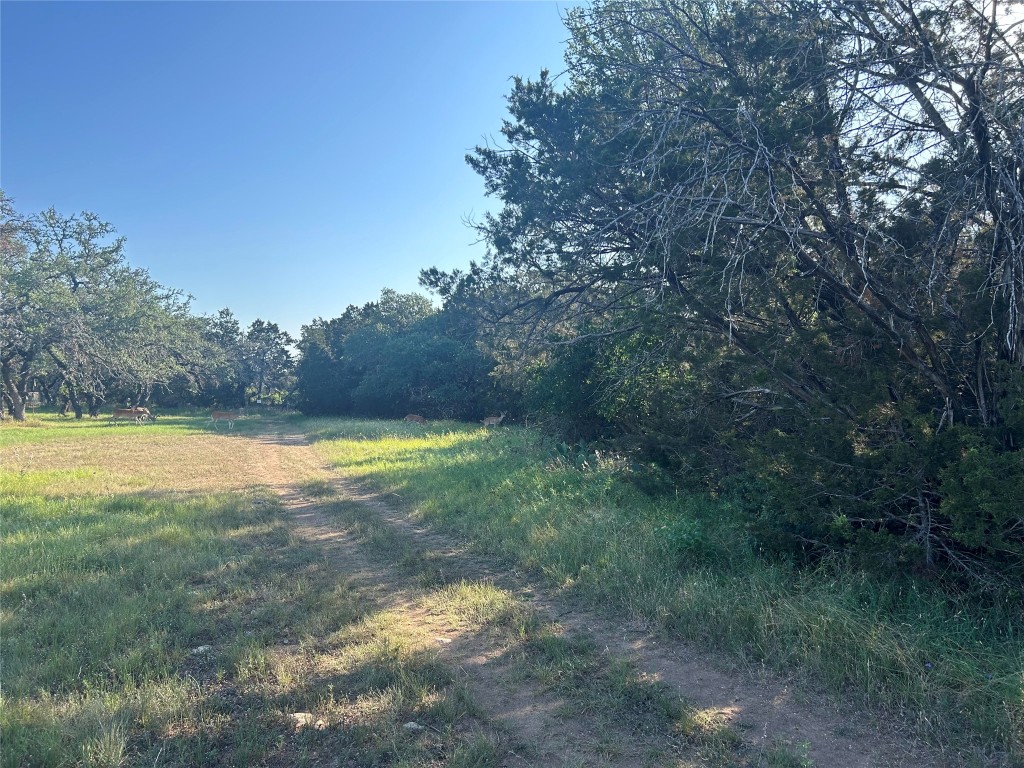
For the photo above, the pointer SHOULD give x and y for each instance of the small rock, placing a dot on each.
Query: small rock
(443, 640)
(303, 719)
(201, 649)
(413, 727)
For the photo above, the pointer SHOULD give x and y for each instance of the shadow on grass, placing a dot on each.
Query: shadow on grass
(187, 631)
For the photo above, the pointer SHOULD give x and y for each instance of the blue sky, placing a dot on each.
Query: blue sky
(281, 159)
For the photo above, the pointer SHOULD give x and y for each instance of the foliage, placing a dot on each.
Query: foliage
(789, 242)
(391, 357)
(267, 360)
(79, 322)
(81, 326)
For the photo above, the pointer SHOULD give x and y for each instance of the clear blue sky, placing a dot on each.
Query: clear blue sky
(283, 159)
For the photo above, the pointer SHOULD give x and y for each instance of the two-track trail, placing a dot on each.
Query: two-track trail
(550, 698)
(759, 707)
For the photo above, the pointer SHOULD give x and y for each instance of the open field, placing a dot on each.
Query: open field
(174, 595)
(153, 618)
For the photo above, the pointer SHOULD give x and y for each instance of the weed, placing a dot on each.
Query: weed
(318, 488)
(784, 756)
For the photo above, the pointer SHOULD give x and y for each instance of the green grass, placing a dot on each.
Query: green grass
(48, 427)
(952, 667)
(172, 629)
(594, 686)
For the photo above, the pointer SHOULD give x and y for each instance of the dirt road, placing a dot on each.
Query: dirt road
(736, 715)
(777, 725)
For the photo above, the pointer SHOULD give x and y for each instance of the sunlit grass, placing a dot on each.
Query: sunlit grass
(57, 457)
(157, 610)
(685, 563)
(617, 703)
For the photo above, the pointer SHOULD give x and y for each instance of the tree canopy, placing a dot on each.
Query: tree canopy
(81, 326)
(393, 356)
(79, 321)
(792, 237)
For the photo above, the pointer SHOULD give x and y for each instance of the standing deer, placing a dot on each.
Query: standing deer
(229, 416)
(416, 418)
(493, 421)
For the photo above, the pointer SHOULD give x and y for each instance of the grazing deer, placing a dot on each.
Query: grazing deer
(415, 417)
(136, 414)
(493, 421)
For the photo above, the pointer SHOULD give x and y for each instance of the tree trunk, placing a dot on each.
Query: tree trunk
(95, 403)
(14, 395)
(75, 402)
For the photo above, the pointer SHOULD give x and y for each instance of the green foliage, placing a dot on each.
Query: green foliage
(85, 329)
(981, 495)
(79, 324)
(721, 244)
(393, 357)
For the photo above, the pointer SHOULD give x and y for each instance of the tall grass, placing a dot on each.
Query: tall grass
(685, 562)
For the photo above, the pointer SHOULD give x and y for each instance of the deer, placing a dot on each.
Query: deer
(229, 416)
(136, 414)
(493, 421)
(415, 418)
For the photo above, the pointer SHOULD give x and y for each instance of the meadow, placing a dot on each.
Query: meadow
(157, 611)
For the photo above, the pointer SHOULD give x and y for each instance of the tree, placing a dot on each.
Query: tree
(77, 318)
(268, 361)
(820, 204)
(390, 357)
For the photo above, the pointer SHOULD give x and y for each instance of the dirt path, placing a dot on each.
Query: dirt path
(763, 709)
(756, 708)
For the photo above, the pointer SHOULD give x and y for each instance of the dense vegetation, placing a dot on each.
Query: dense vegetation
(393, 356)
(780, 248)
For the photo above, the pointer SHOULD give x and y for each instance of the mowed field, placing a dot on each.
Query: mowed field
(330, 593)
(158, 611)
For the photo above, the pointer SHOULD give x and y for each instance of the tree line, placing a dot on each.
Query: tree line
(82, 329)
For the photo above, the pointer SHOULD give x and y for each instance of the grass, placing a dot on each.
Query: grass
(953, 668)
(593, 685)
(155, 610)
(151, 621)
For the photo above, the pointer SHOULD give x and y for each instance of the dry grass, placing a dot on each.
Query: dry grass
(125, 459)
